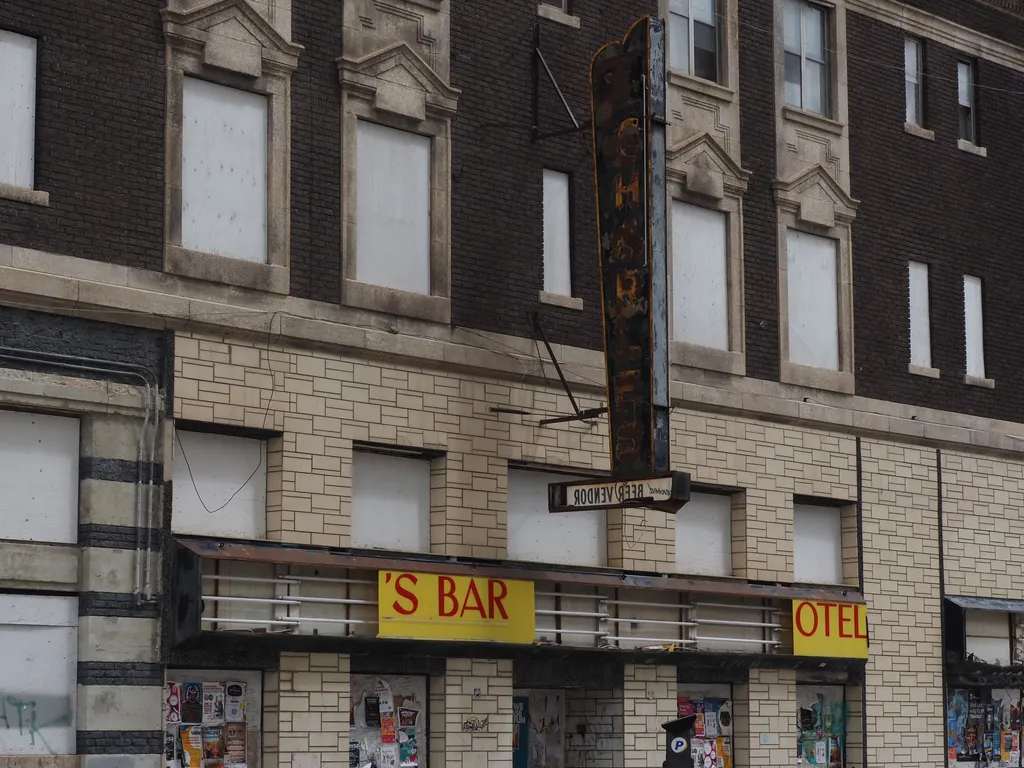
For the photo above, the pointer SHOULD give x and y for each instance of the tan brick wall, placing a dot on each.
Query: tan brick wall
(772, 463)
(491, 746)
(984, 530)
(648, 700)
(770, 739)
(305, 712)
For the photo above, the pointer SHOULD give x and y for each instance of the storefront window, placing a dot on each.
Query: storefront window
(711, 745)
(821, 725)
(212, 718)
(538, 716)
(388, 721)
(983, 725)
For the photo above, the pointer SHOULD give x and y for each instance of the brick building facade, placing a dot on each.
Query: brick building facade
(276, 283)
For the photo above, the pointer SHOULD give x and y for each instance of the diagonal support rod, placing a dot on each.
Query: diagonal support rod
(539, 329)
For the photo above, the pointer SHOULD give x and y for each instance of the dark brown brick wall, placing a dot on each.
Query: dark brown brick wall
(100, 130)
(497, 262)
(931, 202)
(316, 153)
(760, 232)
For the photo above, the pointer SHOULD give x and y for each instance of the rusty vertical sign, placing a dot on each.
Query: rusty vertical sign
(627, 80)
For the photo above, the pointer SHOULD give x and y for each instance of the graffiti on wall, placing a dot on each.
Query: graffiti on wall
(29, 722)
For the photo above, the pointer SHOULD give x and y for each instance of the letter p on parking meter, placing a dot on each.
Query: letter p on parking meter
(678, 735)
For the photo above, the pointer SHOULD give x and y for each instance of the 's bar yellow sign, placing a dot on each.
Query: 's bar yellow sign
(837, 630)
(427, 606)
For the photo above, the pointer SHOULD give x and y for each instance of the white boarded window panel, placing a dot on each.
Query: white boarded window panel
(41, 632)
(17, 109)
(704, 535)
(557, 271)
(727, 637)
(390, 502)
(700, 282)
(817, 544)
(392, 208)
(974, 327)
(813, 296)
(920, 320)
(224, 171)
(38, 477)
(536, 535)
(988, 636)
(211, 471)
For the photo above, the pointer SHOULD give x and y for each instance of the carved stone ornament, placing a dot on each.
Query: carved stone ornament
(702, 167)
(816, 198)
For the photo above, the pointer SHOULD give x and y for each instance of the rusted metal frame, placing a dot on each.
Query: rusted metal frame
(285, 554)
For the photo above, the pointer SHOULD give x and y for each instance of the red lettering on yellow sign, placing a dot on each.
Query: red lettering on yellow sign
(823, 628)
(435, 606)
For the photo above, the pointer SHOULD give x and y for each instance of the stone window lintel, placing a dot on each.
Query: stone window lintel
(420, 101)
(254, 57)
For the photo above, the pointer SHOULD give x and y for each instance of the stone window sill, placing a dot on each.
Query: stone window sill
(919, 130)
(561, 300)
(816, 378)
(24, 195)
(923, 370)
(551, 13)
(813, 119)
(215, 268)
(979, 381)
(971, 148)
(699, 85)
(711, 359)
(393, 301)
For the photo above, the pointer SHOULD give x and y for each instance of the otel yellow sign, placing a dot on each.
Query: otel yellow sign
(822, 628)
(428, 606)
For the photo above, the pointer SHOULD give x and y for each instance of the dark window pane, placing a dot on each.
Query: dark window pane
(794, 88)
(966, 124)
(705, 51)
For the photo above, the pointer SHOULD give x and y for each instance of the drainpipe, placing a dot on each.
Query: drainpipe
(142, 587)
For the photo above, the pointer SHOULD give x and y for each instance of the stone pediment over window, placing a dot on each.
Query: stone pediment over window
(701, 166)
(401, 82)
(231, 35)
(816, 198)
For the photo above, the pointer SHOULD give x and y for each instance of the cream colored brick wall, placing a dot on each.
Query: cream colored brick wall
(306, 710)
(772, 463)
(770, 739)
(901, 580)
(491, 745)
(984, 530)
(648, 700)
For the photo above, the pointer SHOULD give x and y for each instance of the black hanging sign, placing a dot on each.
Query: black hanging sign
(627, 81)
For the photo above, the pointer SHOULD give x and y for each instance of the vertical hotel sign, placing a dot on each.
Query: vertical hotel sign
(627, 82)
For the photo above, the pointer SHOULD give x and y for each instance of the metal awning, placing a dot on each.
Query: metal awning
(987, 603)
(287, 554)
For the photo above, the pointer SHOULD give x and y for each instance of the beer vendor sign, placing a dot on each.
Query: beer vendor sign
(823, 628)
(430, 606)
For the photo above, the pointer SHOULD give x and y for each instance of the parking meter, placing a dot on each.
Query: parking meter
(678, 735)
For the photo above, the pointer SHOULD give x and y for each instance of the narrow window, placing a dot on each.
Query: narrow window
(704, 535)
(974, 326)
(220, 485)
(920, 318)
(392, 208)
(390, 502)
(813, 300)
(700, 284)
(806, 50)
(817, 544)
(557, 270)
(693, 37)
(17, 109)
(913, 69)
(965, 98)
(224, 171)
